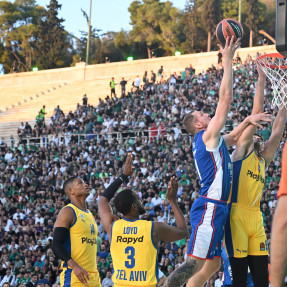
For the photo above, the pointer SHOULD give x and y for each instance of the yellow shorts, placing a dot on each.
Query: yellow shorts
(69, 279)
(244, 233)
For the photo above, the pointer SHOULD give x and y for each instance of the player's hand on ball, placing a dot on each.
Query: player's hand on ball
(172, 190)
(230, 47)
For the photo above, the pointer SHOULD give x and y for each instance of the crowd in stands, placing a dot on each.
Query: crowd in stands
(83, 143)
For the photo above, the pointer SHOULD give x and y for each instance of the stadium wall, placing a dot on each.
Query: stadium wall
(80, 72)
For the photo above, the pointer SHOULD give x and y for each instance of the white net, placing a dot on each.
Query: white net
(275, 68)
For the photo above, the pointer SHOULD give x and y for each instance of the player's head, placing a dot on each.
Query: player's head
(258, 143)
(128, 202)
(196, 121)
(75, 186)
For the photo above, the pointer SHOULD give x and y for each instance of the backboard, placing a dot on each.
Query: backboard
(281, 27)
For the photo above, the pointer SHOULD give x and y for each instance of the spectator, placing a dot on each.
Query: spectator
(113, 87)
(33, 281)
(123, 84)
(9, 277)
(85, 100)
(107, 281)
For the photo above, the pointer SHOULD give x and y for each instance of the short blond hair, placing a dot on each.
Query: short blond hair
(188, 123)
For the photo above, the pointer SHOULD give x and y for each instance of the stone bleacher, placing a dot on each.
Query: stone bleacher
(65, 94)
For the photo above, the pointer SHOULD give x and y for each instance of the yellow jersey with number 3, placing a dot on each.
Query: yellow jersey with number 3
(134, 253)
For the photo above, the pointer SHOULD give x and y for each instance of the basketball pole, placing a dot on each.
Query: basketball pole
(89, 34)
(239, 10)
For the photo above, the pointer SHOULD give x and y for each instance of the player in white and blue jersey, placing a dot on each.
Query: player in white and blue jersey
(209, 212)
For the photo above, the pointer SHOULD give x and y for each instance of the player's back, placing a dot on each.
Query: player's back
(134, 253)
(213, 167)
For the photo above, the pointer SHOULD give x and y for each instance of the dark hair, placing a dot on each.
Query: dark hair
(258, 135)
(124, 200)
(68, 182)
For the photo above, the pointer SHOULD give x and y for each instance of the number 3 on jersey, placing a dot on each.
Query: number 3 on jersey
(131, 256)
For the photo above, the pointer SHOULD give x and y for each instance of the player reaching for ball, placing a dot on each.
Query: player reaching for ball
(209, 212)
(245, 237)
(209, 269)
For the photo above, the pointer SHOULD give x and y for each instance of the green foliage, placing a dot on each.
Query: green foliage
(32, 35)
(54, 49)
(18, 23)
(229, 9)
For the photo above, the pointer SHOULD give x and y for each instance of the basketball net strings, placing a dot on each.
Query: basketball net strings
(277, 77)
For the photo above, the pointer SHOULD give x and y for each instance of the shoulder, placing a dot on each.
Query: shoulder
(66, 217)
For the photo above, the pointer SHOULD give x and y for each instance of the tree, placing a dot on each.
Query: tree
(18, 21)
(229, 9)
(54, 48)
(210, 18)
(155, 24)
(169, 27)
(145, 22)
(253, 11)
(191, 20)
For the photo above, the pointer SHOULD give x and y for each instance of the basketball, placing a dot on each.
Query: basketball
(228, 28)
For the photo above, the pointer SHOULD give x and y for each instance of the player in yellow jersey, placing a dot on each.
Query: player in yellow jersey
(134, 242)
(75, 237)
(245, 238)
(279, 231)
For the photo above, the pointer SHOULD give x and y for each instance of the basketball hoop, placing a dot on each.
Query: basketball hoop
(275, 67)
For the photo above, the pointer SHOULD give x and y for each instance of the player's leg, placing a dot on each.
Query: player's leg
(181, 275)
(259, 270)
(199, 243)
(239, 267)
(236, 242)
(258, 253)
(209, 268)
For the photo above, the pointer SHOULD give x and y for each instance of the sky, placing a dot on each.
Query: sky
(107, 15)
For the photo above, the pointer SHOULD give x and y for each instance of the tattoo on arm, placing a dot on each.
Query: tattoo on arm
(181, 275)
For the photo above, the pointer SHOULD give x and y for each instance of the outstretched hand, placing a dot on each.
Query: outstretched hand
(230, 47)
(172, 190)
(128, 168)
(257, 118)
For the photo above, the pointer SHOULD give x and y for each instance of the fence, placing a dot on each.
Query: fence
(45, 141)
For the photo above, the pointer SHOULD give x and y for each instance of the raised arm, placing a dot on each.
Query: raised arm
(250, 122)
(273, 143)
(105, 210)
(212, 135)
(245, 144)
(166, 232)
(259, 94)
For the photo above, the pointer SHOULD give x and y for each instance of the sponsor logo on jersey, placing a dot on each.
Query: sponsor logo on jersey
(86, 240)
(128, 240)
(262, 246)
(255, 176)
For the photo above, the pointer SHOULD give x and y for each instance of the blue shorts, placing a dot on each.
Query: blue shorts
(207, 218)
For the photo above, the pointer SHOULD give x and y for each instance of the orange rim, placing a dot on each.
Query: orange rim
(272, 55)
